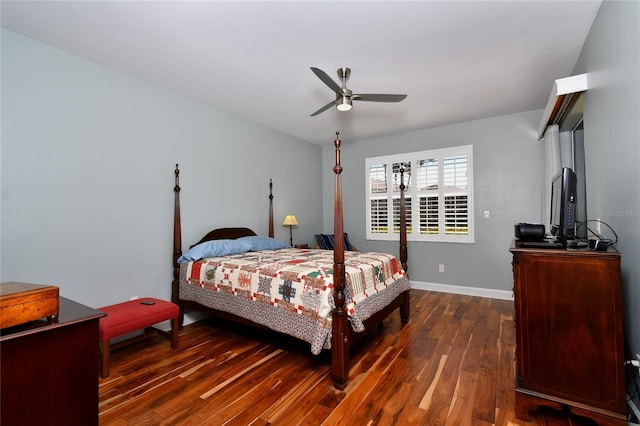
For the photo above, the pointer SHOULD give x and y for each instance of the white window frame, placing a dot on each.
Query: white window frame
(413, 196)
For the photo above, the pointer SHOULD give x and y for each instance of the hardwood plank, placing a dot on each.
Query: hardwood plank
(300, 399)
(485, 402)
(452, 364)
(462, 403)
(393, 406)
(251, 404)
(390, 386)
(439, 400)
(411, 415)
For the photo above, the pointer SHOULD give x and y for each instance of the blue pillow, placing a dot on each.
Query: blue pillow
(258, 243)
(215, 248)
(325, 241)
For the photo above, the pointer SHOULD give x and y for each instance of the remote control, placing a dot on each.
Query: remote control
(147, 302)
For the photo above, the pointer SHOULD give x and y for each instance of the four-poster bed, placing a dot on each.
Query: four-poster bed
(327, 298)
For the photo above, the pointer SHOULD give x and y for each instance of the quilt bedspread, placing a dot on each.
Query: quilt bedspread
(291, 290)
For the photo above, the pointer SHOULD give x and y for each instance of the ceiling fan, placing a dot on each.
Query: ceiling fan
(344, 96)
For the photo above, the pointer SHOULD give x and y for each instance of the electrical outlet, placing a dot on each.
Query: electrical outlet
(441, 267)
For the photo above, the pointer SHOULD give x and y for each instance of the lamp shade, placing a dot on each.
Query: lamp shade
(290, 220)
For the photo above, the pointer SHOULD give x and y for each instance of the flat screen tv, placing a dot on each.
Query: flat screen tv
(563, 205)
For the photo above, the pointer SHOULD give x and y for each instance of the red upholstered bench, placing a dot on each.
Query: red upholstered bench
(126, 317)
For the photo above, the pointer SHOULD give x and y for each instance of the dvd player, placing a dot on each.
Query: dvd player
(542, 244)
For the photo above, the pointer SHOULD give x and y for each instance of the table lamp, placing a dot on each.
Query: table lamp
(289, 221)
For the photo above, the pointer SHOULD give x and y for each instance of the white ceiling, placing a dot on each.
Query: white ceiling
(456, 60)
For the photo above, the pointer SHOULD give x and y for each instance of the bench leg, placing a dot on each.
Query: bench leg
(175, 326)
(105, 359)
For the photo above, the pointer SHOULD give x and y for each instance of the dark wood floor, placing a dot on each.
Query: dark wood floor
(452, 364)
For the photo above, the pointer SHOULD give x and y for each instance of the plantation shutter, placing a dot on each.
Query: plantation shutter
(438, 195)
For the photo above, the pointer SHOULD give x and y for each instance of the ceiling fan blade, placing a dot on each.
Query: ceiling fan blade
(378, 97)
(327, 80)
(324, 108)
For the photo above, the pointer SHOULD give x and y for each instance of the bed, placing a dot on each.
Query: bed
(326, 298)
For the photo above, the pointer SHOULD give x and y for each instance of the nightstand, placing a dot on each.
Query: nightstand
(302, 246)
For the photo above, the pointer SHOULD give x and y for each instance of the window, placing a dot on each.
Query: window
(438, 195)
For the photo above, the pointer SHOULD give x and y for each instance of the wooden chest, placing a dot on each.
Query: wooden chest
(22, 302)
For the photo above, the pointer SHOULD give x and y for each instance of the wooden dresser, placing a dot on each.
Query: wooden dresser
(569, 333)
(49, 369)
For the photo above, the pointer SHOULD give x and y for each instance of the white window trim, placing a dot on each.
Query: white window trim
(412, 194)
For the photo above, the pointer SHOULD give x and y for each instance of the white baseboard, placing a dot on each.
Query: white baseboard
(467, 291)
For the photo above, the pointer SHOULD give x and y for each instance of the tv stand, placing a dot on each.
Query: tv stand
(569, 334)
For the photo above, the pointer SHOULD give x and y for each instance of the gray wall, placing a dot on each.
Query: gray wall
(508, 179)
(87, 175)
(611, 57)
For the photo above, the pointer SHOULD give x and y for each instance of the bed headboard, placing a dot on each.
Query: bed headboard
(226, 233)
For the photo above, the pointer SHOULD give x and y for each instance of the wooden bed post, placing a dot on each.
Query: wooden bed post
(340, 329)
(177, 244)
(405, 306)
(271, 233)
(403, 223)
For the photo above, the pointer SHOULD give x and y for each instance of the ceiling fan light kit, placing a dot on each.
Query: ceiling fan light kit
(345, 97)
(344, 104)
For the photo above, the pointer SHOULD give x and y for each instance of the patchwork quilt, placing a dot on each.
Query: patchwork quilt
(291, 290)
